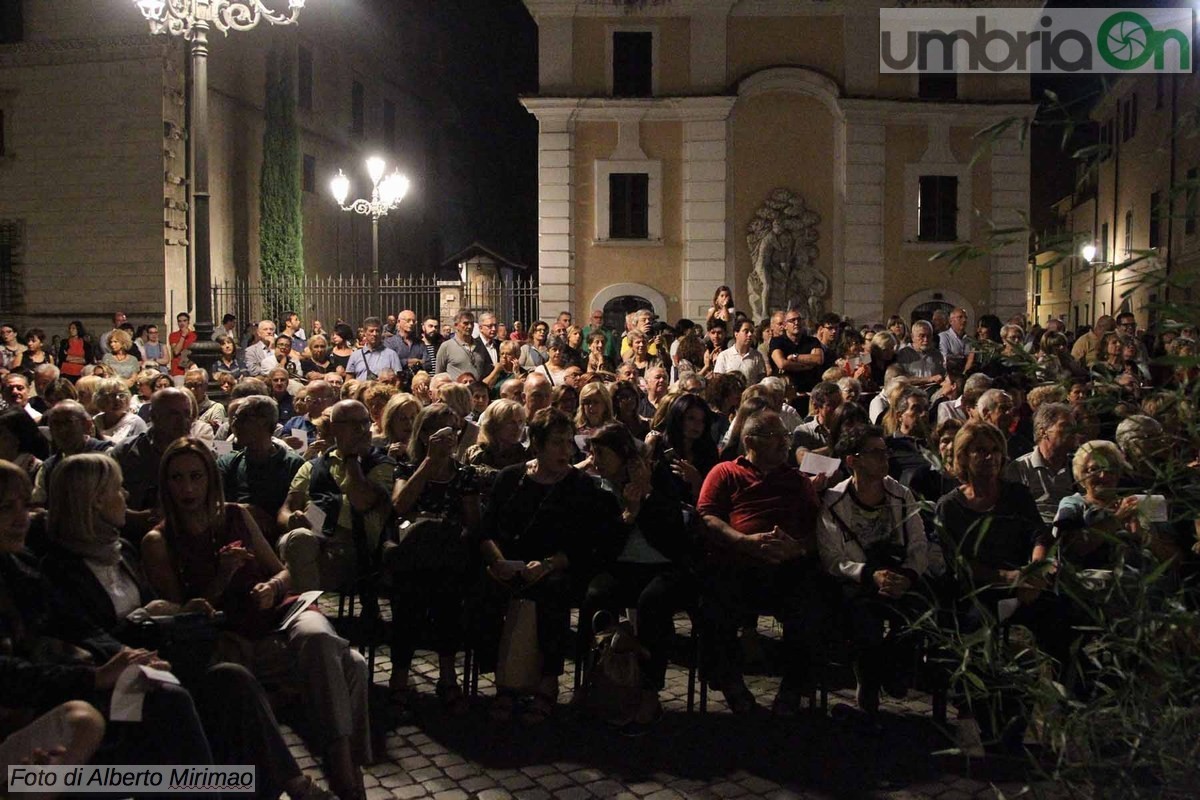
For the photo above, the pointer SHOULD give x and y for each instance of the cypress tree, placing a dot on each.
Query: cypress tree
(281, 223)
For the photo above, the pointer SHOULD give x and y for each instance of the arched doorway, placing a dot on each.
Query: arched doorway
(922, 304)
(616, 309)
(925, 310)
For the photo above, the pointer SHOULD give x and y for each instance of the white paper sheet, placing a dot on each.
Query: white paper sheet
(1006, 608)
(1154, 507)
(221, 447)
(298, 606)
(815, 464)
(315, 516)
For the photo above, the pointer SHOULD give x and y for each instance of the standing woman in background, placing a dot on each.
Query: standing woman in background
(75, 351)
(722, 308)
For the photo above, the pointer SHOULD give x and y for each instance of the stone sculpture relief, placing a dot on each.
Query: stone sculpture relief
(783, 251)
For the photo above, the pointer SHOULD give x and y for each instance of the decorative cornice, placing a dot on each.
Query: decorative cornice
(77, 51)
(607, 109)
(923, 111)
(793, 79)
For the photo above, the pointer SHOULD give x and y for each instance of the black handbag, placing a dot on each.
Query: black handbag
(186, 641)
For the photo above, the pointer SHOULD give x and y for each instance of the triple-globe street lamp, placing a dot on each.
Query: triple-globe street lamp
(192, 19)
(386, 194)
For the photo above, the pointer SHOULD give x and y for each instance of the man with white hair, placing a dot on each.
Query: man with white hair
(923, 363)
(43, 376)
(997, 407)
(257, 352)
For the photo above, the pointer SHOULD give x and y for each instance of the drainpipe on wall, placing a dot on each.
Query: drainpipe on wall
(1112, 273)
(1171, 191)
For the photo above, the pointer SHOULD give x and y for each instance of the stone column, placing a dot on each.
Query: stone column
(863, 222)
(1010, 208)
(556, 216)
(704, 182)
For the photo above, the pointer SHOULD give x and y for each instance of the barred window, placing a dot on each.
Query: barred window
(11, 297)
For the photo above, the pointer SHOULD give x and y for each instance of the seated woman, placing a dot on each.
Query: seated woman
(992, 530)
(686, 446)
(121, 361)
(595, 408)
(871, 538)
(397, 424)
(597, 359)
(101, 580)
(499, 444)
(1098, 526)
(115, 421)
(458, 397)
(228, 360)
(209, 549)
(53, 656)
(439, 498)
(542, 538)
(626, 397)
(652, 572)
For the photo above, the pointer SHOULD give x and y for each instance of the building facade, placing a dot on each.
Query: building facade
(690, 144)
(1136, 205)
(94, 151)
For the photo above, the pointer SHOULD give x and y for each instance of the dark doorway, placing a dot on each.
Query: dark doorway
(616, 309)
(925, 310)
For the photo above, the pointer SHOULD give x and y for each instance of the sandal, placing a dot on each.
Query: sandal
(502, 708)
(453, 700)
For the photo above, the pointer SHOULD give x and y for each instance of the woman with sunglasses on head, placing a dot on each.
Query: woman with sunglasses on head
(208, 549)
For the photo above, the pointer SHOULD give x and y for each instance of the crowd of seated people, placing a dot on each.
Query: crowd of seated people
(832, 476)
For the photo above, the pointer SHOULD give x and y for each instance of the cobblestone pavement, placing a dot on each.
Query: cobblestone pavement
(712, 755)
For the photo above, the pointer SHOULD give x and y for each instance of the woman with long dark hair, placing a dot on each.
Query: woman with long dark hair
(686, 446)
(75, 352)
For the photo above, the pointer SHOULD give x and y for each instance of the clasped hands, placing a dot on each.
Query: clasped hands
(773, 546)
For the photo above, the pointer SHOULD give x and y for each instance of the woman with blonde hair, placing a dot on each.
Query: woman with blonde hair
(115, 421)
(120, 360)
(396, 423)
(499, 443)
(458, 397)
(208, 549)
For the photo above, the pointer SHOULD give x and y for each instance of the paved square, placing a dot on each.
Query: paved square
(712, 755)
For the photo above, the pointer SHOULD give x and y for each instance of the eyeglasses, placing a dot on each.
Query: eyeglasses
(1098, 469)
(793, 321)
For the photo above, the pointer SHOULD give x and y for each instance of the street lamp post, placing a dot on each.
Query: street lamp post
(192, 20)
(386, 194)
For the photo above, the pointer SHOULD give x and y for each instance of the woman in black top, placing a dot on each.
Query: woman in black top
(343, 340)
(544, 535)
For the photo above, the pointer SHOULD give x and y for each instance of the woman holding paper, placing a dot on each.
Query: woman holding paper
(210, 550)
(102, 582)
(1094, 526)
(53, 656)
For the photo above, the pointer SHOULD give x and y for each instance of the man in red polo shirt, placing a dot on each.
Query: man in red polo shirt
(761, 516)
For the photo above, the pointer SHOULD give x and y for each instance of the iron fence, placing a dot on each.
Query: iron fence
(355, 297)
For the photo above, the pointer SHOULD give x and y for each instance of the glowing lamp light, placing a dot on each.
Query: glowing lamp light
(340, 186)
(1088, 252)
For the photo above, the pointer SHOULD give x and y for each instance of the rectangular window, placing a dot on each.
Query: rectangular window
(937, 85)
(358, 109)
(12, 24)
(629, 205)
(1129, 111)
(633, 64)
(304, 78)
(1128, 234)
(10, 273)
(389, 124)
(1193, 191)
(1155, 199)
(937, 208)
(310, 173)
(1104, 243)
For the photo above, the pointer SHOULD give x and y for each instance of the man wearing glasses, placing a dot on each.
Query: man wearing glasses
(488, 340)
(761, 519)
(351, 483)
(1127, 326)
(798, 356)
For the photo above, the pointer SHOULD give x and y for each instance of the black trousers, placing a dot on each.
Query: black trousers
(797, 593)
(657, 591)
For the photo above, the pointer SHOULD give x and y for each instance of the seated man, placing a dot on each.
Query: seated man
(71, 429)
(318, 396)
(761, 517)
(261, 472)
(195, 380)
(171, 415)
(1046, 470)
(813, 434)
(922, 362)
(352, 484)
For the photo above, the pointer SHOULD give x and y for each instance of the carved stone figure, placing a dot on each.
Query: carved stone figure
(782, 238)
